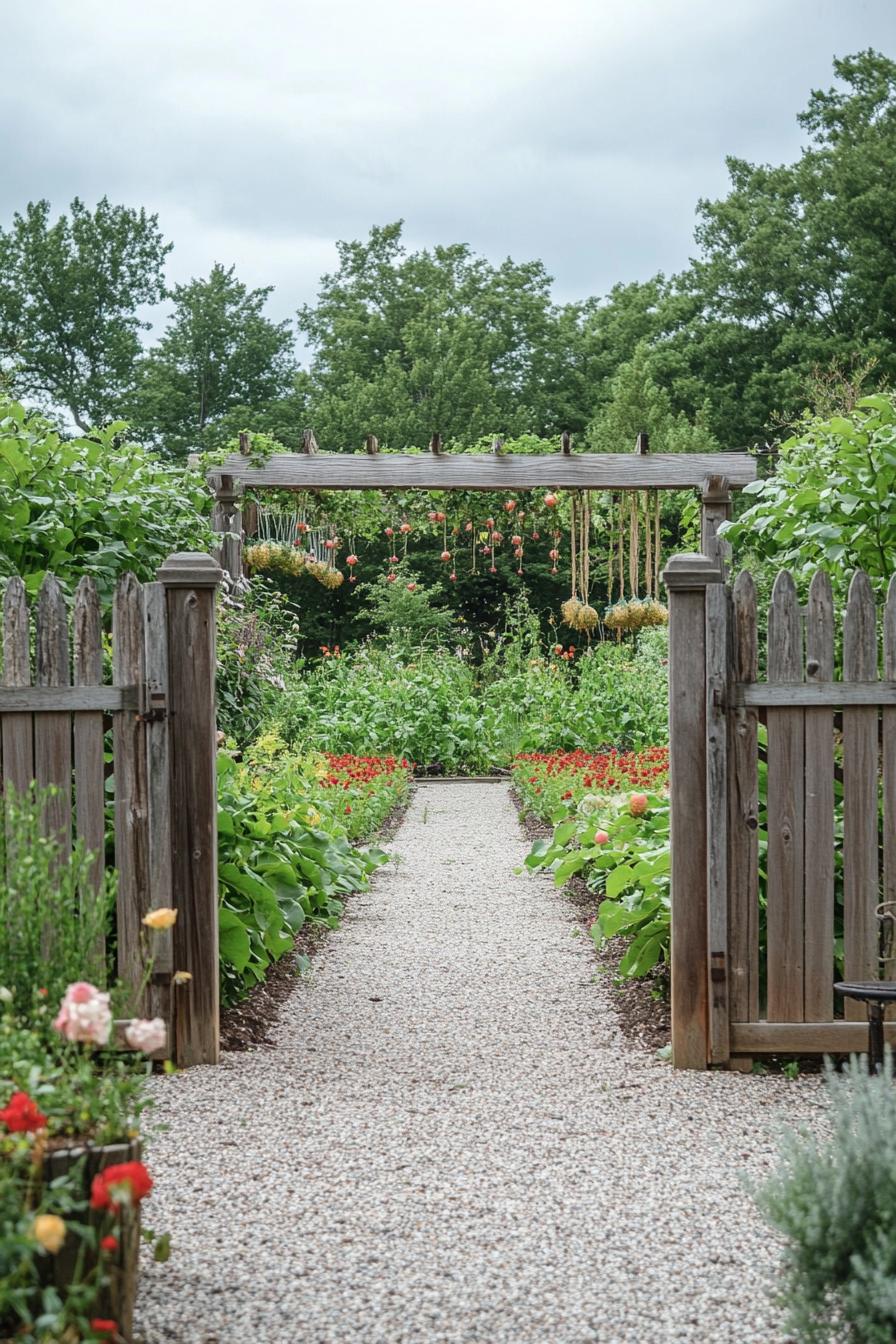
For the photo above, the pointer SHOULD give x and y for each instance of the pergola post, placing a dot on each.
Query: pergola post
(227, 523)
(715, 509)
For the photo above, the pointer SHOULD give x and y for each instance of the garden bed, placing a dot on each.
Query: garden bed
(247, 1025)
(642, 1005)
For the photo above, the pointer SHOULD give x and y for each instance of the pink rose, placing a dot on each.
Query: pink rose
(84, 1014)
(146, 1034)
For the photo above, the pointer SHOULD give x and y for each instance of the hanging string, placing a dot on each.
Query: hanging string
(656, 545)
(621, 545)
(648, 548)
(610, 550)
(573, 560)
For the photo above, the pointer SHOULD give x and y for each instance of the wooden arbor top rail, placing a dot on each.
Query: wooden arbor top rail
(489, 471)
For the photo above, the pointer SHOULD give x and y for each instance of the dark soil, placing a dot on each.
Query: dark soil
(248, 1024)
(642, 1005)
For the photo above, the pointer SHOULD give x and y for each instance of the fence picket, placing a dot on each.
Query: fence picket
(743, 815)
(17, 729)
(818, 888)
(860, 795)
(786, 767)
(88, 734)
(53, 732)
(131, 806)
(888, 745)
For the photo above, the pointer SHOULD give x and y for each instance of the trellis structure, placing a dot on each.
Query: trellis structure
(715, 475)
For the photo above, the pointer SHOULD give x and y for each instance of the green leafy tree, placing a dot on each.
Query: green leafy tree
(219, 360)
(407, 344)
(70, 291)
(636, 403)
(797, 264)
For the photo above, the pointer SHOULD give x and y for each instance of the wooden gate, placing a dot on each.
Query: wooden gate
(783, 789)
(55, 711)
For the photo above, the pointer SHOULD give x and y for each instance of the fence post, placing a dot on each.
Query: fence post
(190, 580)
(686, 578)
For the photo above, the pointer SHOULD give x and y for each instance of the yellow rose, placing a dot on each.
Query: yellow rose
(162, 918)
(182, 977)
(49, 1230)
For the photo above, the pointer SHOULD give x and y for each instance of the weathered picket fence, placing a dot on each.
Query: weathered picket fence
(826, 745)
(55, 710)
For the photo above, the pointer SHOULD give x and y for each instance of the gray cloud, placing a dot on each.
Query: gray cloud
(582, 132)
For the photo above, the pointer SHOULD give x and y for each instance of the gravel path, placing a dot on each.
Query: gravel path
(452, 1142)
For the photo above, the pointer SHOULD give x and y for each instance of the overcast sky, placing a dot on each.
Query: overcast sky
(582, 132)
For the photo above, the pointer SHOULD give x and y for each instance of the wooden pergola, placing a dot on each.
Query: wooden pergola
(714, 475)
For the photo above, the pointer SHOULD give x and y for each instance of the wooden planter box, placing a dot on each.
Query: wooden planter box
(116, 1302)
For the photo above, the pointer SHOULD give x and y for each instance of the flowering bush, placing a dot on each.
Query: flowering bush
(60, 1086)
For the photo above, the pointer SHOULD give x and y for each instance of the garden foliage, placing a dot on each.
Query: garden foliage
(833, 1201)
(95, 504)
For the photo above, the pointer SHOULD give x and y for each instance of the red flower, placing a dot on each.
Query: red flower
(104, 1327)
(109, 1244)
(126, 1183)
(21, 1115)
(348, 808)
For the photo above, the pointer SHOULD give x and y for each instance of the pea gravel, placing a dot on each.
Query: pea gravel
(451, 1140)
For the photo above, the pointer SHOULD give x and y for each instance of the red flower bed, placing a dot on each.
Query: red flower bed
(546, 779)
(372, 785)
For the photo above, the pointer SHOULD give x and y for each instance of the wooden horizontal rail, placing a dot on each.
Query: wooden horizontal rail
(810, 695)
(493, 471)
(798, 1038)
(67, 699)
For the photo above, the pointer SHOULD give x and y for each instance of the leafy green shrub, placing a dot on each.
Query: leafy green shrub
(92, 505)
(423, 708)
(434, 706)
(828, 505)
(624, 856)
(52, 922)
(834, 1202)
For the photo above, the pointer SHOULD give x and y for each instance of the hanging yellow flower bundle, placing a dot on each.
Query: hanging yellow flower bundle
(637, 515)
(576, 611)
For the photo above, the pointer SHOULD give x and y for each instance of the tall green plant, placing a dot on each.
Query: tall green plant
(52, 919)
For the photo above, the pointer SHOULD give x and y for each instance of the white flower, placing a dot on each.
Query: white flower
(146, 1034)
(5, 994)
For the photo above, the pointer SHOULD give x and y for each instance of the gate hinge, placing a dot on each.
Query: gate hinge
(153, 705)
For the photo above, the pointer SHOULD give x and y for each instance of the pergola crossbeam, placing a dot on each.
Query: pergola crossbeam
(438, 470)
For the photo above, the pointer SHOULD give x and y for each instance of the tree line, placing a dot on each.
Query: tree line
(793, 286)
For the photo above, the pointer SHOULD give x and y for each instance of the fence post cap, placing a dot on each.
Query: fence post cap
(687, 573)
(190, 569)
